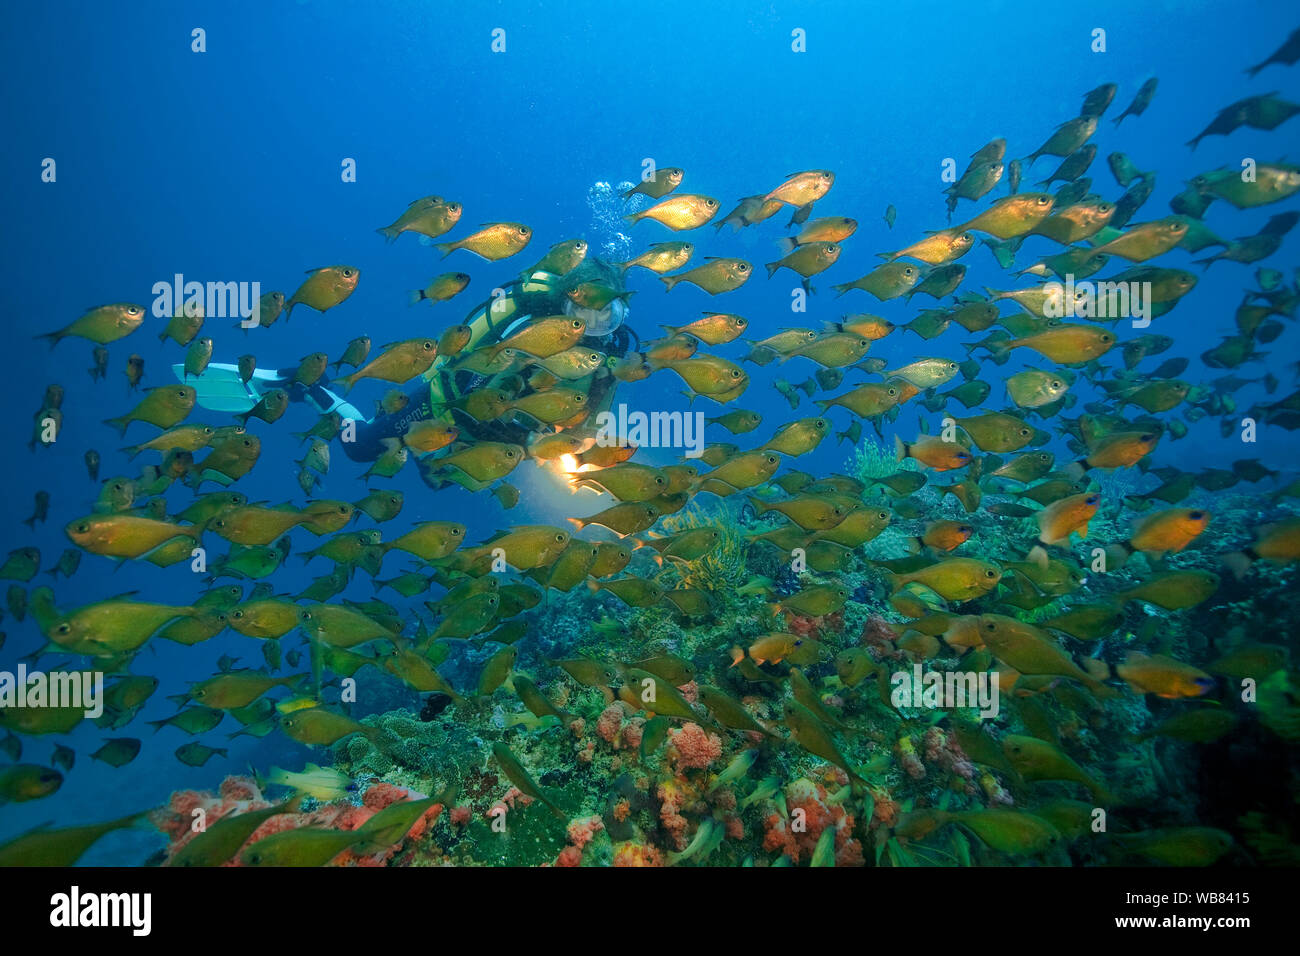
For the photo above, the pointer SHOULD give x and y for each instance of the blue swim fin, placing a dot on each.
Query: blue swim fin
(221, 388)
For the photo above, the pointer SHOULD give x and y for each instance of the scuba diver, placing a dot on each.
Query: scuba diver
(432, 395)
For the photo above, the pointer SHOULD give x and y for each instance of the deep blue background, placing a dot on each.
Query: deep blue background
(225, 165)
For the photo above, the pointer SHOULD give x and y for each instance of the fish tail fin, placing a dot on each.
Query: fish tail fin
(669, 282)
(1117, 554)
(913, 545)
(118, 423)
(900, 448)
(54, 337)
(1077, 469)
(444, 248)
(390, 233)
(1038, 554)
(1238, 562)
(414, 296)
(772, 268)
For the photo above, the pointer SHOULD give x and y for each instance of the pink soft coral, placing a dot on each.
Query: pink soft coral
(694, 749)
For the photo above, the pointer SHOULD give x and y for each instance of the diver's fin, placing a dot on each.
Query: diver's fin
(221, 388)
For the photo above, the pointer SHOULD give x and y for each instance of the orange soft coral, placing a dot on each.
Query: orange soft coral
(670, 802)
(637, 854)
(693, 749)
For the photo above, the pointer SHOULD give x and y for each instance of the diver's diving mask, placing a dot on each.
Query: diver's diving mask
(600, 322)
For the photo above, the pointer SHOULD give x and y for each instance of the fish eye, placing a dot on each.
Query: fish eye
(1196, 515)
(882, 515)
(523, 230)
(1056, 383)
(560, 536)
(347, 273)
(1044, 200)
(64, 628)
(456, 532)
(83, 527)
(990, 573)
(908, 271)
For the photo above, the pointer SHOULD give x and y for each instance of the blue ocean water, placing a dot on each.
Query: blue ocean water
(225, 165)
